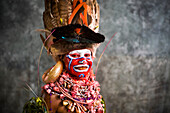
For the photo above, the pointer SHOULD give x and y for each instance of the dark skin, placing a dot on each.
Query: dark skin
(56, 103)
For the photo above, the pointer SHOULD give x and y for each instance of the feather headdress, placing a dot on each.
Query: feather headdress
(73, 24)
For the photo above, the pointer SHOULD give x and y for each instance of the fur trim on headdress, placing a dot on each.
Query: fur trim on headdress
(63, 47)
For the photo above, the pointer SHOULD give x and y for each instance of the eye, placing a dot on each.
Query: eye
(75, 55)
(87, 55)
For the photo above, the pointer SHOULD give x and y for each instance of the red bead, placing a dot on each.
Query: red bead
(46, 86)
(56, 89)
(48, 91)
(62, 96)
(52, 84)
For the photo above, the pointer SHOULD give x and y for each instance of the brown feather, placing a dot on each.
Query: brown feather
(57, 14)
(65, 10)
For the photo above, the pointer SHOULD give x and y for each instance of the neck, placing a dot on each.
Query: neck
(79, 78)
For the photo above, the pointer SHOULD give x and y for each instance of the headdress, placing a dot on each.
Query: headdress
(71, 24)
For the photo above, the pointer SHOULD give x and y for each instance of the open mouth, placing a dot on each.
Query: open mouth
(81, 68)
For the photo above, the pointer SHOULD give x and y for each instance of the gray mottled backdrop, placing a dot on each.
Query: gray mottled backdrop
(134, 72)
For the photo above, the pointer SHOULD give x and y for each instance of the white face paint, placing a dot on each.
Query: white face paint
(80, 53)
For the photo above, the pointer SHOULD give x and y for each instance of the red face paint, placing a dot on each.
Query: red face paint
(79, 63)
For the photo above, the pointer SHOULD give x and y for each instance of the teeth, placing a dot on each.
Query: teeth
(81, 68)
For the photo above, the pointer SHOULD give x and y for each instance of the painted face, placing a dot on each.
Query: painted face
(79, 63)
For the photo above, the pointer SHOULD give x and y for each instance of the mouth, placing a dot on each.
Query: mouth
(81, 68)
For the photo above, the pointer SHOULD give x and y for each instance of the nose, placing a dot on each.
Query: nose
(82, 60)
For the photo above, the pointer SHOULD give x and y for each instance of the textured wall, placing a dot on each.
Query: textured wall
(134, 72)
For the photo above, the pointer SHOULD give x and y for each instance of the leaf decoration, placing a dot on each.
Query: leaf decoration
(104, 107)
(35, 105)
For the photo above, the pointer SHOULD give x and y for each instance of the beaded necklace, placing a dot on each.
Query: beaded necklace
(77, 95)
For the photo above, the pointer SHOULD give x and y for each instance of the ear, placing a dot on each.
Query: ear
(93, 58)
